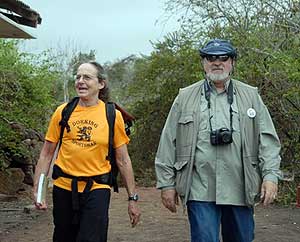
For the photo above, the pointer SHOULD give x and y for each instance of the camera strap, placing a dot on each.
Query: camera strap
(230, 101)
(207, 92)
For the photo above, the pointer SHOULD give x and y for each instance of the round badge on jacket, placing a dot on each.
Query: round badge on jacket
(251, 113)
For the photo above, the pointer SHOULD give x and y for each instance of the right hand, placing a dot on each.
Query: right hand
(39, 206)
(169, 199)
(42, 166)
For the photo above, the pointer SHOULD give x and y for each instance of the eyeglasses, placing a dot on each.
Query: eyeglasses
(84, 77)
(212, 58)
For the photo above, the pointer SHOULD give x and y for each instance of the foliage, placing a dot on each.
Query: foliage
(27, 96)
(67, 61)
(120, 74)
(31, 87)
(288, 192)
(266, 34)
(156, 83)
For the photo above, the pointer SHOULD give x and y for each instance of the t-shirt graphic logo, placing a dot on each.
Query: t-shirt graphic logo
(84, 133)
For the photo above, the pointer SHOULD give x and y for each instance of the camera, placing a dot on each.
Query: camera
(221, 136)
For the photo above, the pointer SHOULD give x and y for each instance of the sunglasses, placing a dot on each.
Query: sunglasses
(212, 58)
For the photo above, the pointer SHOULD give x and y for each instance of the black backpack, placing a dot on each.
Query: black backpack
(110, 115)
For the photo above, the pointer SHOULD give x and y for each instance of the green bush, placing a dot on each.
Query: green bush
(27, 97)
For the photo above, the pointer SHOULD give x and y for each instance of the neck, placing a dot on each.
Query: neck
(220, 84)
(88, 102)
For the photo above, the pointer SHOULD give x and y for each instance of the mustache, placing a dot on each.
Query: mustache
(217, 69)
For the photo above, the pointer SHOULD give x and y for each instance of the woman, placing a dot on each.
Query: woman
(83, 153)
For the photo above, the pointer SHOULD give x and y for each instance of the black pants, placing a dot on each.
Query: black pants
(93, 216)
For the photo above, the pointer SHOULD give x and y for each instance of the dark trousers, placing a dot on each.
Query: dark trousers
(92, 215)
(237, 223)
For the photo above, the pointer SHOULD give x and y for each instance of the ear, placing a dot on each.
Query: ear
(233, 62)
(101, 84)
(233, 67)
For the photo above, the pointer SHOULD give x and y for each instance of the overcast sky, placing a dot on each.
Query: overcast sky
(114, 28)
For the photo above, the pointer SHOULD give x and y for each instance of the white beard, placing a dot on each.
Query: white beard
(217, 77)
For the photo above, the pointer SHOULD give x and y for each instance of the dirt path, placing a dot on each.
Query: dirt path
(19, 223)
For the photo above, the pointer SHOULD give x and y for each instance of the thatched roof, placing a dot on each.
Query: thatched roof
(20, 13)
(13, 15)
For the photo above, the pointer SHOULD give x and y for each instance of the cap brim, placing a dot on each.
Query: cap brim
(216, 51)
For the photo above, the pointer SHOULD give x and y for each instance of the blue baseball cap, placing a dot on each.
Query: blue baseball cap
(218, 47)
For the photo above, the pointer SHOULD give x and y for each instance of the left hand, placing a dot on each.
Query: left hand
(134, 213)
(268, 192)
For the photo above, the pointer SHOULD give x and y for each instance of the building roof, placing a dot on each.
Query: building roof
(14, 16)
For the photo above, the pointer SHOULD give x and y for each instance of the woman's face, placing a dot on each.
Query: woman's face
(87, 83)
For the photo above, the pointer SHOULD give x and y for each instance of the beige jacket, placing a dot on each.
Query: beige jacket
(176, 152)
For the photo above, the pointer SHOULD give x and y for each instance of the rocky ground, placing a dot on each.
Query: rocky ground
(20, 222)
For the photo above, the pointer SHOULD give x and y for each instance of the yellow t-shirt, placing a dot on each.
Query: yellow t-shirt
(84, 149)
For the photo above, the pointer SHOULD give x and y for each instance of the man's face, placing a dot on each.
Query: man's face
(217, 68)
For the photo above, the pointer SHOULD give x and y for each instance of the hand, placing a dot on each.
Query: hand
(39, 206)
(169, 199)
(268, 192)
(134, 213)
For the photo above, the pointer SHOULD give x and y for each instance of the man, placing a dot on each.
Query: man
(218, 151)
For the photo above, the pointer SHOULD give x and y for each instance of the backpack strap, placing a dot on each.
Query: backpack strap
(127, 117)
(111, 116)
(65, 115)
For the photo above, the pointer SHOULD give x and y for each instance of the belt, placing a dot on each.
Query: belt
(99, 179)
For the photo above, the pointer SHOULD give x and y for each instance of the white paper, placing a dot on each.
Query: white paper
(42, 189)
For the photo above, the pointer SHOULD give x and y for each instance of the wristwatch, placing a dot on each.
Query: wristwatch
(134, 197)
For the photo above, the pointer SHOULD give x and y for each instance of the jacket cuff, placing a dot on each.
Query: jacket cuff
(271, 178)
(167, 188)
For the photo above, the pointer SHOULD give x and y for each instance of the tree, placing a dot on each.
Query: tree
(266, 34)
(154, 84)
(26, 83)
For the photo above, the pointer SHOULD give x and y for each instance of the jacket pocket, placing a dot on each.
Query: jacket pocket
(253, 180)
(181, 173)
(184, 135)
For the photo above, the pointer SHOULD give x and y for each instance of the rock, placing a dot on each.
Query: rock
(17, 126)
(28, 209)
(28, 171)
(11, 180)
(27, 142)
(7, 198)
(4, 162)
(33, 134)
